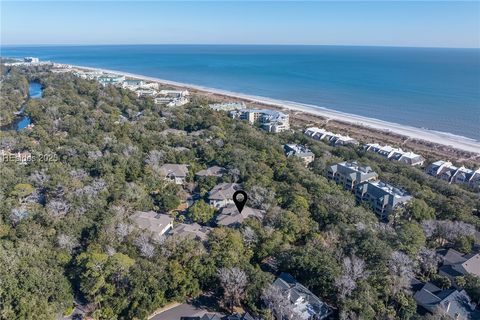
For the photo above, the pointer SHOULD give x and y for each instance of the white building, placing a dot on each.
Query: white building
(299, 151)
(329, 137)
(446, 171)
(227, 106)
(269, 120)
(173, 98)
(396, 154)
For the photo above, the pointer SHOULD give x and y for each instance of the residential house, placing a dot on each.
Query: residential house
(192, 231)
(245, 316)
(455, 303)
(229, 216)
(269, 120)
(214, 171)
(299, 151)
(214, 316)
(382, 197)
(329, 137)
(456, 264)
(156, 223)
(222, 194)
(177, 173)
(396, 154)
(446, 171)
(307, 305)
(350, 174)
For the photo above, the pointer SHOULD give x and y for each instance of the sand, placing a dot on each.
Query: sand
(441, 138)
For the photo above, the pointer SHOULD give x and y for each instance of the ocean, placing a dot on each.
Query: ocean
(432, 88)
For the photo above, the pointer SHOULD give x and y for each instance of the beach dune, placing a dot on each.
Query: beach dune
(441, 138)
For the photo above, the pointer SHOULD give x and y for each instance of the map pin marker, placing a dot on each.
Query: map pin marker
(240, 198)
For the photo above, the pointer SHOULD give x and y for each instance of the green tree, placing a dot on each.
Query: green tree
(201, 212)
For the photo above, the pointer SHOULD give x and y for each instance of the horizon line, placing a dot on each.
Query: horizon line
(227, 44)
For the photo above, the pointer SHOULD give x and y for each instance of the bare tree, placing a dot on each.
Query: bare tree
(66, 242)
(155, 158)
(428, 260)
(39, 178)
(401, 269)
(249, 236)
(143, 244)
(279, 303)
(260, 197)
(233, 282)
(18, 214)
(57, 208)
(353, 270)
(446, 230)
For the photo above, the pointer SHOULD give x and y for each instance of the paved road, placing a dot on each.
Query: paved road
(183, 310)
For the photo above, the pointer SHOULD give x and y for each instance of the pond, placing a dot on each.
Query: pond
(35, 91)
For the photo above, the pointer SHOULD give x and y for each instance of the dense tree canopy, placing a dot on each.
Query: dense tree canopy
(65, 232)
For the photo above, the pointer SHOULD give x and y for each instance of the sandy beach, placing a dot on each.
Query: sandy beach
(441, 138)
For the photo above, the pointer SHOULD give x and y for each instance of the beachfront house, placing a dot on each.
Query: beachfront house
(382, 197)
(222, 194)
(350, 174)
(133, 84)
(227, 106)
(446, 171)
(176, 173)
(269, 120)
(107, 79)
(395, 154)
(299, 151)
(329, 137)
(157, 224)
(305, 304)
(229, 216)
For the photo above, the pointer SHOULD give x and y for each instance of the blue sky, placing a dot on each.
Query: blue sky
(387, 23)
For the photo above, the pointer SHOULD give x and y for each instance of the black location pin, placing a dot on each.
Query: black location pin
(240, 198)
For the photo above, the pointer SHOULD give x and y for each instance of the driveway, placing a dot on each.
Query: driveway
(183, 310)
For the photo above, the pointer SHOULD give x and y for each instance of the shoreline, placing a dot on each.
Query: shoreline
(430, 136)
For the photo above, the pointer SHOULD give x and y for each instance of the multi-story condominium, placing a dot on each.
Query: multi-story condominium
(110, 79)
(269, 120)
(396, 154)
(227, 106)
(382, 197)
(299, 151)
(446, 171)
(350, 174)
(329, 137)
(173, 98)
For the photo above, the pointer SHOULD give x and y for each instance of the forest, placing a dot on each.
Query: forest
(65, 232)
